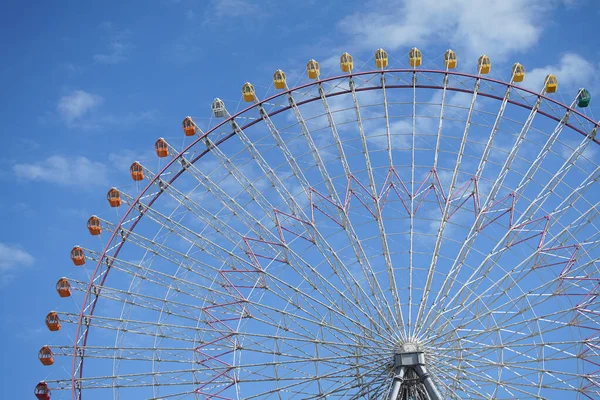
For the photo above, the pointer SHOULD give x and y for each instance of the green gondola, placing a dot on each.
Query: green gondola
(584, 98)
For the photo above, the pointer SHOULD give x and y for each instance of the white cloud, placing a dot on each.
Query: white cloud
(77, 110)
(572, 71)
(74, 171)
(117, 52)
(471, 27)
(233, 8)
(400, 132)
(13, 257)
(118, 47)
(123, 159)
(77, 104)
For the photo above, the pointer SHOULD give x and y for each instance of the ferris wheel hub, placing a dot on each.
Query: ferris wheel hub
(411, 346)
(409, 360)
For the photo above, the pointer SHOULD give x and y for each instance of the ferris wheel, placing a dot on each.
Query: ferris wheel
(396, 233)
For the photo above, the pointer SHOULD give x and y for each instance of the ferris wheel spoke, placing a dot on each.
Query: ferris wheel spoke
(375, 380)
(225, 162)
(305, 225)
(393, 287)
(386, 119)
(492, 258)
(440, 123)
(138, 380)
(318, 283)
(474, 378)
(196, 266)
(446, 211)
(130, 354)
(334, 199)
(456, 267)
(175, 332)
(321, 242)
(297, 385)
(221, 195)
(550, 142)
(212, 220)
(537, 203)
(241, 178)
(471, 236)
(266, 169)
(331, 307)
(340, 269)
(494, 261)
(302, 315)
(154, 276)
(201, 242)
(561, 285)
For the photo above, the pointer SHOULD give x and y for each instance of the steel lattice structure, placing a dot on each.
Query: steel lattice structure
(296, 247)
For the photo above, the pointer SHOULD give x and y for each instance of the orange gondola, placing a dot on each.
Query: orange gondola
(53, 321)
(189, 128)
(77, 256)
(41, 391)
(63, 287)
(114, 197)
(161, 147)
(93, 225)
(46, 356)
(137, 172)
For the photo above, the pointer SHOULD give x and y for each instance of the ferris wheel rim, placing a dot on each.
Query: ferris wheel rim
(77, 368)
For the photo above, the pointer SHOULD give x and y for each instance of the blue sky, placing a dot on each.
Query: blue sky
(88, 88)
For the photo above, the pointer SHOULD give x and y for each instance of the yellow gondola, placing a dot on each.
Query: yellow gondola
(550, 83)
(313, 70)
(248, 92)
(346, 62)
(518, 72)
(450, 59)
(279, 79)
(484, 65)
(415, 58)
(381, 58)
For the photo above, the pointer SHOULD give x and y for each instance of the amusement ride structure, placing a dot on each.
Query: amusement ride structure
(397, 233)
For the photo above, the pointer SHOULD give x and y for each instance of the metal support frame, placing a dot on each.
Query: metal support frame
(123, 231)
(410, 358)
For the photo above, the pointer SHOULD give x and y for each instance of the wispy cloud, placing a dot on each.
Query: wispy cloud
(13, 257)
(123, 159)
(572, 71)
(117, 52)
(78, 109)
(64, 171)
(119, 47)
(77, 104)
(496, 28)
(233, 8)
